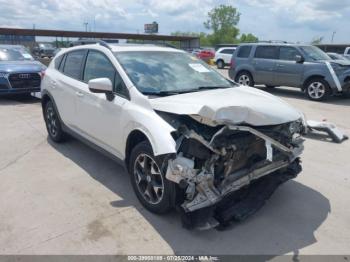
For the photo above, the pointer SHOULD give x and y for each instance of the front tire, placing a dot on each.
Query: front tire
(53, 124)
(147, 174)
(317, 89)
(244, 78)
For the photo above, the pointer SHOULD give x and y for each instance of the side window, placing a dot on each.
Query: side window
(58, 61)
(73, 63)
(288, 53)
(98, 66)
(60, 68)
(227, 51)
(244, 51)
(266, 52)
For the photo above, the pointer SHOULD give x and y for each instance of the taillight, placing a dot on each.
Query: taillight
(232, 64)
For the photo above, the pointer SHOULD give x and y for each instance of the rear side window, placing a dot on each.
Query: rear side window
(227, 51)
(266, 52)
(288, 53)
(244, 51)
(73, 64)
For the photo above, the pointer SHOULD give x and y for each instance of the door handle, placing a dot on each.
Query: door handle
(79, 94)
(279, 65)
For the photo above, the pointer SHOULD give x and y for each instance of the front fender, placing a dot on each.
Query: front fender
(153, 127)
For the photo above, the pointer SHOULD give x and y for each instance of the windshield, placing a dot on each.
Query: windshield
(155, 72)
(14, 55)
(315, 53)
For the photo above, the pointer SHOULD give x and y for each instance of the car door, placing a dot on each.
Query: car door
(65, 83)
(226, 54)
(288, 72)
(99, 118)
(264, 63)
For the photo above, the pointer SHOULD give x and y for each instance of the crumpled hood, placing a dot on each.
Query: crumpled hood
(341, 62)
(238, 105)
(21, 66)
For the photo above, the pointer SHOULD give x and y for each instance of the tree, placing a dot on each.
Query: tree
(223, 21)
(248, 38)
(317, 40)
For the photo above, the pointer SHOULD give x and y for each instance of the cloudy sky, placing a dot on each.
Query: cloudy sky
(291, 20)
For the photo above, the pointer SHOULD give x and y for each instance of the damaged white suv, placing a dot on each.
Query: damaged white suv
(189, 138)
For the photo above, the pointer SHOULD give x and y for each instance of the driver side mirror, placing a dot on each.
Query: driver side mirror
(102, 85)
(299, 59)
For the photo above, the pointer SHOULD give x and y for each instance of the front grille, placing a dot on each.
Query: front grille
(25, 80)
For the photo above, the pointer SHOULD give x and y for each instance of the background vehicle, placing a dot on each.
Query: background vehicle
(206, 54)
(336, 56)
(144, 105)
(223, 56)
(303, 66)
(19, 72)
(43, 50)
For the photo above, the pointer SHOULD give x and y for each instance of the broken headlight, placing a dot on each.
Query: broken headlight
(297, 127)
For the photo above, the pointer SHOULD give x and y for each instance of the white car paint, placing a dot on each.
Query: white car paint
(347, 52)
(237, 105)
(109, 123)
(224, 54)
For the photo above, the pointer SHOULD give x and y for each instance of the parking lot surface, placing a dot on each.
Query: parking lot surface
(70, 199)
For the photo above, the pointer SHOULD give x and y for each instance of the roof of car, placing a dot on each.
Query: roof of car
(138, 47)
(127, 47)
(274, 44)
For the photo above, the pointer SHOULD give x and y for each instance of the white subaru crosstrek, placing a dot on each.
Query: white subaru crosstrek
(188, 137)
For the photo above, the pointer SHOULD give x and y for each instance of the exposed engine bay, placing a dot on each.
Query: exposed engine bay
(216, 163)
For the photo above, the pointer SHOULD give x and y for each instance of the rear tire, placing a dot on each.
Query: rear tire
(317, 89)
(147, 175)
(53, 124)
(245, 78)
(220, 64)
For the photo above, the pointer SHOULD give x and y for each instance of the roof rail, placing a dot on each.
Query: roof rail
(103, 43)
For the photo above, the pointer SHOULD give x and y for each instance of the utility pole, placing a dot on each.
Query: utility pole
(334, 32)
(86, 26)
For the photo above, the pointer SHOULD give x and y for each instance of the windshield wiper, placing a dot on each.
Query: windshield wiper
(161, 93)
(176, 92)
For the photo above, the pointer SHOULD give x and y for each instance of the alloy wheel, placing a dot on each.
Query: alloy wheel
(316, 90)
(148, 178)
(51, 120)
(244, 80)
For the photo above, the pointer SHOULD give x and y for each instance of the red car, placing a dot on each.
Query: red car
(206, 55)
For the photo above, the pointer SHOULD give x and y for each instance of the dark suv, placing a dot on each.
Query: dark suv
(303, 66)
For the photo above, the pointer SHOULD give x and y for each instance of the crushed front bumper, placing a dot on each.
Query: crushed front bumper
(206, 190)
(239, 205)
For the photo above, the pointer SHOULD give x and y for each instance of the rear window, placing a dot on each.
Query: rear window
(73, 64)
(244, 51)
(266, 52)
